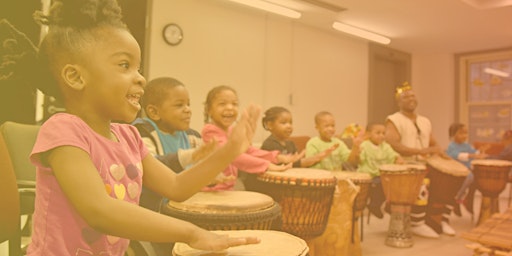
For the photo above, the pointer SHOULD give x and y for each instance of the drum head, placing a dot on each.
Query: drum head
(304, 173)
(399, 168)
(224, 202)
(492, 162)
(300, 176)
(448, 166)
(272, 243)
(353, 176)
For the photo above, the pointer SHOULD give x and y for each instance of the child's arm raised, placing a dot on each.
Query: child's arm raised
(86, 192)
(185, 184)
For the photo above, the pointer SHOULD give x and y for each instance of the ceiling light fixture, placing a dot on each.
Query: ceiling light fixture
(274, 8)
(496, 72)
(360, 33)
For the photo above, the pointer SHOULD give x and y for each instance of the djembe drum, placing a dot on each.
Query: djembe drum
(363, 180)
(272, 243)
(401, 185)
(227, 210)
(446, 177)
(491, 177)
(304, 194)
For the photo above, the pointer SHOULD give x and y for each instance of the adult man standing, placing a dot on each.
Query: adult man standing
(410, 134)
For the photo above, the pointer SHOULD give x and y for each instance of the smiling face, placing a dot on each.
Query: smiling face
(223, 109)
(174, 113)
(282, 126)
(326, 127)
(461, 135)
(377, 133)
(407, 101)
(112, 84)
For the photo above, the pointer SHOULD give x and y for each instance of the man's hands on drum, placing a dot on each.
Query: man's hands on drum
(210, 241)
(433, 150)
(399, 160)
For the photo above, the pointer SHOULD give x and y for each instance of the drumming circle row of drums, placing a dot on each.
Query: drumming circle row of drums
(315, 211)
(403, 184)
(291, 208)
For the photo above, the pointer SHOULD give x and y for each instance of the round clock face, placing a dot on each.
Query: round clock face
(172, 34)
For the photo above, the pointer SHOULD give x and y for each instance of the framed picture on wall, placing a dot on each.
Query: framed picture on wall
(485, 93)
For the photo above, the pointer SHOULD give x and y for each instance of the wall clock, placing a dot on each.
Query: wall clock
(173, 34)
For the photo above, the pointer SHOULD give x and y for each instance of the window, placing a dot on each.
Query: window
(485, 93)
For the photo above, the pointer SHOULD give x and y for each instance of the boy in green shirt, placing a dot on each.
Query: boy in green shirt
(374, 152)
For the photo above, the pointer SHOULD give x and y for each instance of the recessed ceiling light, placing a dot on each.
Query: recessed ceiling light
(488, 4)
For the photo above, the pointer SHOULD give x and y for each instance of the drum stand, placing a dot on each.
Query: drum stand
(489, 206)
(356, 215)
(399, 231)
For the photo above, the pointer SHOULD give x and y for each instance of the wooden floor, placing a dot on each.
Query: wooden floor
(375, 234)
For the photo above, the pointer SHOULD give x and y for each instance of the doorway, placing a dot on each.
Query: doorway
(388, 69)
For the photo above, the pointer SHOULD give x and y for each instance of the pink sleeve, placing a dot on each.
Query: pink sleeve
(254, 160)
(211, 131)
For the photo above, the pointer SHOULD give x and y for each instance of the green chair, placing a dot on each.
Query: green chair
(17, 182)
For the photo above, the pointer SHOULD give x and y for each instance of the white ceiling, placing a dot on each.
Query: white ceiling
(420, 26)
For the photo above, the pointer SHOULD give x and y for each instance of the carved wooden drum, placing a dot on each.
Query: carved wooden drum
(401, 185)
(491, 177)
(304, 194)
(227, 210)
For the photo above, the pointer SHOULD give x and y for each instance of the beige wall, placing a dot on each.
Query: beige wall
(433, 76)
(272, 60)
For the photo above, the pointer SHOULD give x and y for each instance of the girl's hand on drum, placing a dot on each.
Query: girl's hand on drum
(221, 178)
(209, 241)
(290, 158)
(279, 167)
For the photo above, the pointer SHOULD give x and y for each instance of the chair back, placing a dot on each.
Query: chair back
(300, 141)
(19, 140)
(10, 224)
(9, 197)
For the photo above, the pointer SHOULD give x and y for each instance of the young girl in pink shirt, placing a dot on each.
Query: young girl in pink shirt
(90, 170)
(221, 112)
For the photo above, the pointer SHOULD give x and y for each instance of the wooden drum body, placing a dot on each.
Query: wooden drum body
(227, 210)
(305, 196)
(491, 177)
(272, 243)
(446, 177)
(338, 237)
(401, 185)
(363, 180)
